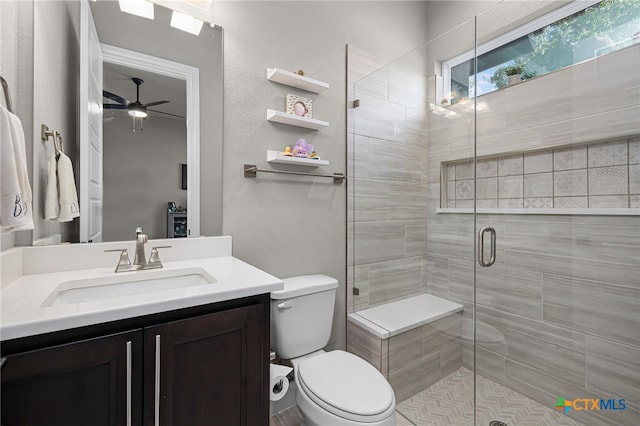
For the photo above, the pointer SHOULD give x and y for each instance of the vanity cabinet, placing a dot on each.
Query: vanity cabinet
(195, 368)
(81, 383)
(209, 370)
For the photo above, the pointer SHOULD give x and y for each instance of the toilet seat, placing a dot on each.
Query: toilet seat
(346, 386)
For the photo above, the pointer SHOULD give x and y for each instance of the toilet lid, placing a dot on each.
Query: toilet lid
(346, 385)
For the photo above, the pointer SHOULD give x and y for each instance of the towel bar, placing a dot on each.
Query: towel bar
(251, 170)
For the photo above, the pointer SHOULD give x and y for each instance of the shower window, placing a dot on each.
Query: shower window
(580, 31)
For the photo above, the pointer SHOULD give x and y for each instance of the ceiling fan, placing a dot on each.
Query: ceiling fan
(135, 109)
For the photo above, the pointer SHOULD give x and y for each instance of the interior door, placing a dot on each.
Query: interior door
(91, 184)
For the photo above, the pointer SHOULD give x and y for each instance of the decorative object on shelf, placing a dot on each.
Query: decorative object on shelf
(300, 72)
(302, 149)
(297, 105)
(287, 152)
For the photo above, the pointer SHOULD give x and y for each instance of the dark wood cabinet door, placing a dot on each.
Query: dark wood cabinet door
(211, 370)
(82, 383)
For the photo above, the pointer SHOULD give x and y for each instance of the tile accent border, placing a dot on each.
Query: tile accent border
(600, 178)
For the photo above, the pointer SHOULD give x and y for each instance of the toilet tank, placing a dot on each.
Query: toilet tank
(302, 315)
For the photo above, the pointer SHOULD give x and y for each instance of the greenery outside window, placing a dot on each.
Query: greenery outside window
(574, 33)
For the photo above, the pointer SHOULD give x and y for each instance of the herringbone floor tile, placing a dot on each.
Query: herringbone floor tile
(450, 403)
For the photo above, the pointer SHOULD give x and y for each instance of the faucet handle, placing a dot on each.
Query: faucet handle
(124, 263)
(154, 257)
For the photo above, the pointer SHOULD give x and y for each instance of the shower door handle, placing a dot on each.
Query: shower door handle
(481, 233)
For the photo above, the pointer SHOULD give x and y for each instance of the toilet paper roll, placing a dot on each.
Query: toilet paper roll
(279, 384)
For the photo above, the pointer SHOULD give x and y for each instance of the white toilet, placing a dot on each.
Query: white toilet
(335, 388)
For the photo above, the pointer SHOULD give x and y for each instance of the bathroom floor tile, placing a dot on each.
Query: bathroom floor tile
(450, 402)
(289, 417)
(292, 417)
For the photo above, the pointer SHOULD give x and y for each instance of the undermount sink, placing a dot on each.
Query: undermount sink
(126, 284)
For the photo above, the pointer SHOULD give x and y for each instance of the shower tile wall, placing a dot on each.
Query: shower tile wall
(559, 312)
(600, 175)
(388, 175)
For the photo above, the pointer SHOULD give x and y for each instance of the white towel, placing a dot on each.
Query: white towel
(67, 190)
(51, 200)
(15, 190)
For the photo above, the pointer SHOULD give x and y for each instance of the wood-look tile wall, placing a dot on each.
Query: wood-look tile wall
(414, 360)
(387, 188)
(564, 294)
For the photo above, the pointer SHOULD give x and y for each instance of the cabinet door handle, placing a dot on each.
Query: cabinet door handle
(284, 305)
(129, 383)
(157, 387)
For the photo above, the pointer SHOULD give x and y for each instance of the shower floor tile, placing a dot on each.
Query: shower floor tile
(450, 403)
(292, 417)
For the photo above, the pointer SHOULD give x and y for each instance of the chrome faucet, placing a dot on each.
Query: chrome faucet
(139, 261)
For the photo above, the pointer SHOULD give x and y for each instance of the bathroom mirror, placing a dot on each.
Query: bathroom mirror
(150, 39)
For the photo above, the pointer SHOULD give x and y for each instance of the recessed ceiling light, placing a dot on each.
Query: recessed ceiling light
(142, 8)
(200, 4)
(185, 22)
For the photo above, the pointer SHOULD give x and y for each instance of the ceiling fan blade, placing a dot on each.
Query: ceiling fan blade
(166, 113)
(115, 97)
(156, 103)
(114, 106)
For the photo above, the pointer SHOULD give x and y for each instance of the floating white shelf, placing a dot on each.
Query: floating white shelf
(295, 80)
(294, 120)
(276, 157)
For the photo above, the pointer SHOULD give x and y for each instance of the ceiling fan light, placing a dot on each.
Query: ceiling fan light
(137, 113)
(142, 8)
(185, 22)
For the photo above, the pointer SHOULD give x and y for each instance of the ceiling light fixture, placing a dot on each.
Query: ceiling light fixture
(142, 8)
(200, 4)
(137, 111)
(185, 22)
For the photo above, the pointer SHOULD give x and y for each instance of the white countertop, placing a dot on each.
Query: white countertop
(22, 313)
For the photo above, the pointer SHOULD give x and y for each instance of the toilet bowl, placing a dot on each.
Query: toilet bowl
(335, 388)
(341, 389)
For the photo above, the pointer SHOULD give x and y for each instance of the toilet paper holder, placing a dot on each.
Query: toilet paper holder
(277, 388)
(279, 382)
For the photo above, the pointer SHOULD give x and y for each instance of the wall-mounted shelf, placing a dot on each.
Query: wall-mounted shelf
(295, 80)
(293, 120)
(276, 157)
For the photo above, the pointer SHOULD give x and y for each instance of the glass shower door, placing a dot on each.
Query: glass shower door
(557, 314)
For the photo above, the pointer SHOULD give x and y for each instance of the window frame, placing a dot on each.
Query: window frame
(534, 25)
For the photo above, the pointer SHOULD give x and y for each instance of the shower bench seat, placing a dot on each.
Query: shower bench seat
(414, 342)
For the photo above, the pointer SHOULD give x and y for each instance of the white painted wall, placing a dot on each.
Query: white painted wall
(288, 225)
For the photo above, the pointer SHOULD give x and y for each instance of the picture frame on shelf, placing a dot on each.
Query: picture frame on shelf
(300, 106)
